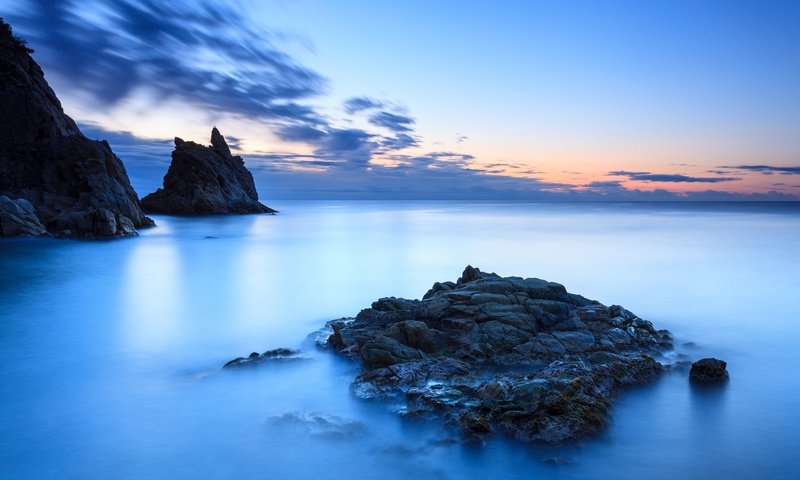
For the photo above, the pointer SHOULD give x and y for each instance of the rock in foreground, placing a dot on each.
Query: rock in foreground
(519, 356)
(205, 180)
(58, 180)
(709, 370)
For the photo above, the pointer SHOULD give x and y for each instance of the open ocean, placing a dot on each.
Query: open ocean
(110, 351)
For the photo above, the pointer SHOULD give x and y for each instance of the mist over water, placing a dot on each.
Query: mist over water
(110, 352)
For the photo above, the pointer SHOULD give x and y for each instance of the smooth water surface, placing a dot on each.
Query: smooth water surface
(110, 352)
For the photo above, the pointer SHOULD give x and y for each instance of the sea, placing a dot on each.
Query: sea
(111, 351)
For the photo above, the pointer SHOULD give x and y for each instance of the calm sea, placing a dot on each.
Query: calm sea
(110, 351)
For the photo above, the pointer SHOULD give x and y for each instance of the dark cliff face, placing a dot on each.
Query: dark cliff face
(205, 180)
(77, 186)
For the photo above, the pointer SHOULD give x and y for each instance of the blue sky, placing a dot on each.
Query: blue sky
(504, 100)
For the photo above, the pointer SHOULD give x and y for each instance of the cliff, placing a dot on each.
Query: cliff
(75, 186)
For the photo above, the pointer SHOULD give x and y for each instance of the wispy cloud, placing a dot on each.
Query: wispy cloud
(669, 178)
(179, 50)
(768, 169)
(392, 121)
(359, 104)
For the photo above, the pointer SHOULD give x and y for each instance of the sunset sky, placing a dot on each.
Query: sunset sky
(527, 100)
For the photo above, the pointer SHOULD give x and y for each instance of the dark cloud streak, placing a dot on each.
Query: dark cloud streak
(185, 50)
(766, 169)
(669, 178)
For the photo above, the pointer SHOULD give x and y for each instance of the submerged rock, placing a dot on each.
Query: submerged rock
(709, 370)
(521, 356)
(205, 180)
(317, 424)
(58, 180)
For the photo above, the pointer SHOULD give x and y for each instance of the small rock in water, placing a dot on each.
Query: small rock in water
(270, 356)
(709, 369)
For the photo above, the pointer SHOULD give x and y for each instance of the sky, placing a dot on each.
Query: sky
(515, 100)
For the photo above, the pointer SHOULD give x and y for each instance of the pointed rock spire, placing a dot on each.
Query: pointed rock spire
(219, 143)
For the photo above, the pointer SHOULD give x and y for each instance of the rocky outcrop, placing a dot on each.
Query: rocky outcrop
(709, 370)
(76, 186)
(205, 180)
(521, 356)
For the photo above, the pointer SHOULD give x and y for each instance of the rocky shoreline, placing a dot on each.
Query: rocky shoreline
(521, 357)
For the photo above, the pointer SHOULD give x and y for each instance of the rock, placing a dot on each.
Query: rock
(278, 355)
(205, 180)
(486, 353)
(18, 218)
(709, 370)
(75, 185)
(385, 351)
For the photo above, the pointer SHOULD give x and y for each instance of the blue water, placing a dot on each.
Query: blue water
(110, 351)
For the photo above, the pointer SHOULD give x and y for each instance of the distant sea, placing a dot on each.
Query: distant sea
(110, 351)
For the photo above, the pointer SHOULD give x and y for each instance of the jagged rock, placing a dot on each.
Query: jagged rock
(709, 370)
(490, 354)
(205, 180)
(76, 186)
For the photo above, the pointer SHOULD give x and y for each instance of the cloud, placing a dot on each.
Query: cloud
(200, 52)
(398, 142)
(436, 175)
(392, 121)
(359, 104)
(669, 178)
(353, 146)
(605, 184)
(766, 169)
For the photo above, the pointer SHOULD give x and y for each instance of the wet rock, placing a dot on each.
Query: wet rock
(709, 370)
(60, 181)
(491, 354)
(278, 355)
(205, 180)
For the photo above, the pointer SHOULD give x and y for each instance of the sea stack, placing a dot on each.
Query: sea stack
(54, 180)
(205, 180)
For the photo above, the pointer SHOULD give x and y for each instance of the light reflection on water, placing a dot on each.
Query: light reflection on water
(110, 351)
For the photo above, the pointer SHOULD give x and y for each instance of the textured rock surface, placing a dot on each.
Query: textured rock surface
(520, 356)
(205, 180)
(76, 186)
(709, 370)
(18, 218)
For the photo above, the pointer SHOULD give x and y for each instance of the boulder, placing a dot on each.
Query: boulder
(709, 370)
(75, 186)
(205, 180)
